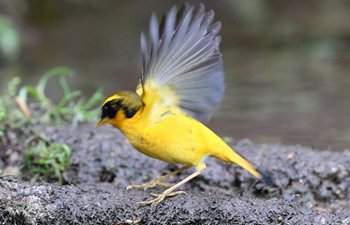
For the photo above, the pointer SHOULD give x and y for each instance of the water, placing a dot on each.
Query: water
(287, 68)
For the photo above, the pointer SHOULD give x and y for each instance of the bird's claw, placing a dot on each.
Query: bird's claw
(160, 197)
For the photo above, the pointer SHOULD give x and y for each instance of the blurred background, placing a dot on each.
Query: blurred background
(287, 63)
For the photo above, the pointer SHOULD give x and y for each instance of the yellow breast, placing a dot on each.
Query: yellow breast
(173, 138)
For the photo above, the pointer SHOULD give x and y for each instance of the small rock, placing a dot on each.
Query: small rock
(290, 156)
(12, 171)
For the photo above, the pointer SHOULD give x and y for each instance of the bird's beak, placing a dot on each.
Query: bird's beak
(102, 121)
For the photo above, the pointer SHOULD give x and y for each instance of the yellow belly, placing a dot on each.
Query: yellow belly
(174, 139)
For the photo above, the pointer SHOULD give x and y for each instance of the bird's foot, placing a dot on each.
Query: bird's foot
(160, 197)
(149, 185)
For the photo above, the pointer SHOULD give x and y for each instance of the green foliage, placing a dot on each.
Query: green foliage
(10, 40)
(48, 159)
(24, 110)
(9, 112)
(72, 107)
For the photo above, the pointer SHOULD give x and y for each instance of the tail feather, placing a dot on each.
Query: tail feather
(229, 155)
(237, 159)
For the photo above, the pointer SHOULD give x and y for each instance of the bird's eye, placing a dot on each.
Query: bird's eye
(104, 111)
(111, 108)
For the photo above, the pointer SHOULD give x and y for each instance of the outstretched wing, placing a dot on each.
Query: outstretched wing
(182, 65)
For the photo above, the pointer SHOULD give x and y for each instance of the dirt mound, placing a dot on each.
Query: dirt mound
(308, 186)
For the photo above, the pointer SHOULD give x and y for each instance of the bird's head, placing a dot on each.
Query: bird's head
(120, 106)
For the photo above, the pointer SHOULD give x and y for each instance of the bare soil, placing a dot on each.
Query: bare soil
(309, 186)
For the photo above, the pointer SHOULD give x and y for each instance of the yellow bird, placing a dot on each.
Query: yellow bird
(182, 80)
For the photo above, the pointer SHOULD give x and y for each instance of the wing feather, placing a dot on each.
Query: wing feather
(182, 63)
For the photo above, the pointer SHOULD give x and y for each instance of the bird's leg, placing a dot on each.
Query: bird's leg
(158, 181)
(170, 191)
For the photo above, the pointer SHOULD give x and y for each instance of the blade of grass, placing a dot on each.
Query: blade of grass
(62, 70)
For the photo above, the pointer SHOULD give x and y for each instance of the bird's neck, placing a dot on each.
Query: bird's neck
(127, 125)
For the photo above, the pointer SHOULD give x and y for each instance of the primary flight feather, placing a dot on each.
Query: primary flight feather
(182, 81)
(185, 56)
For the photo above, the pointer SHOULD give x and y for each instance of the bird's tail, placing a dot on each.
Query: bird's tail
(229, 155)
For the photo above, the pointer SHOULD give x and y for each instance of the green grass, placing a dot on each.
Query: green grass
(71, 107)
(9, 113)
(10, 38)
(28, 108)
(48, 159)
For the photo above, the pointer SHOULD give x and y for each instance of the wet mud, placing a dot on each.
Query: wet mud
(308, 186)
